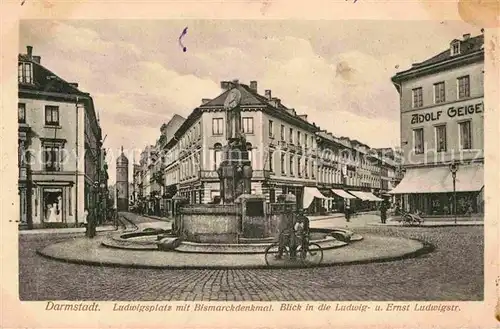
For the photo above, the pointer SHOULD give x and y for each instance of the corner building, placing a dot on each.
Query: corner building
(442, 115)
(59, 148)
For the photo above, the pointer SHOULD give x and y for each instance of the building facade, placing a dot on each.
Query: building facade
(289, 154)
(60, 148)
(442, 116)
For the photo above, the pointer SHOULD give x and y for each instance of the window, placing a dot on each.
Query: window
(465, 135)
(291, 136)
(52, 115)
(441, 138)
(439, 93)
(21, 113)
(282, 132)
(25, 73)
(299, 170)
(455, 48)
(271, 130)
(306, 165)
(312, 141)
(291, 164)
(463, 87)
(305, 140)
(298, 137)
(418, 140)
(271, 152)
(313, 169)
(282, 163)
(417, 97)
(217, 155)
(217, 126)
(52, 157)
(247, 125)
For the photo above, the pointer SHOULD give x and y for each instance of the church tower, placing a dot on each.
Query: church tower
(122, 182)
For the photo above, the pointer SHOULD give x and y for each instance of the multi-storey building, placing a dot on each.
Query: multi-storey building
(59, 148)
(442, 114)
(281, 145)
(289, 154)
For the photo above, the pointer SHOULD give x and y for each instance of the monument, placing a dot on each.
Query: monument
(239, 215)
(122, 196)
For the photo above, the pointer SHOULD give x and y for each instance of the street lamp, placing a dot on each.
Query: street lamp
(454, 169)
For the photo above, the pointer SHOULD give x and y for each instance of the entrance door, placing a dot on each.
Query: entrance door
(52, 206)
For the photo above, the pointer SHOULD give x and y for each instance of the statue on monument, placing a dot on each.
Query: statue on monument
(235, 171)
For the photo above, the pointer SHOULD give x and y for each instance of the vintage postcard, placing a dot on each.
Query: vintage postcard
(249, 164)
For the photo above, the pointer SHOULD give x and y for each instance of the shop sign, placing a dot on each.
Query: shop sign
(452, 112)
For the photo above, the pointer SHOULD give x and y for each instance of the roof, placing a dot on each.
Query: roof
(122, 159)
(250, 97)
(468, 46)
(43, 81)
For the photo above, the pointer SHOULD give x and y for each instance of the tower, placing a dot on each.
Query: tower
(122, 197)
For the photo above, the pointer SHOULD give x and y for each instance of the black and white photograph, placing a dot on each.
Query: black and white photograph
(202, 160)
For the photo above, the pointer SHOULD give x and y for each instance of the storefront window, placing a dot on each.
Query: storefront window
(52, 205)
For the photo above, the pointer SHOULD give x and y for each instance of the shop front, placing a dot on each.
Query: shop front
(430, 190)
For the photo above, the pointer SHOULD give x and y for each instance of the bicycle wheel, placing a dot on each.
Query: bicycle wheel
(271, 255)
(313, 256)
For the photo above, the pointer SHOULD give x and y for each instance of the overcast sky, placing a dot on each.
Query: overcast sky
(337, 72)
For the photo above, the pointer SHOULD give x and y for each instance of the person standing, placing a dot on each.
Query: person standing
(383, 211)
(347, 209)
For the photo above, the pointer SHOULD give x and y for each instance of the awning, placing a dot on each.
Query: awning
(470, 178)
(309, 194)
(373, 197)
(343, 194)
(365, 196)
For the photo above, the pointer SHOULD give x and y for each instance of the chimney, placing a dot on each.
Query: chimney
(466, 36)
(205, 100)
(236, 82)
(303, 117)
(29, 51)
(74, 84)
(268, 94)
(253, 85)
(37, 59)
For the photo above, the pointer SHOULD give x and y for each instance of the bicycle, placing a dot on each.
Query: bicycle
(312, 255)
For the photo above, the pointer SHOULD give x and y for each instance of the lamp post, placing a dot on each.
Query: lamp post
(453, 170)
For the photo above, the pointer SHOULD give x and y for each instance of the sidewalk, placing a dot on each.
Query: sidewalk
(105, 228)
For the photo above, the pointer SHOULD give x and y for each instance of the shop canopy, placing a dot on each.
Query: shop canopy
(343, 194)
(470, 178)
(365, 196)
(309, 194)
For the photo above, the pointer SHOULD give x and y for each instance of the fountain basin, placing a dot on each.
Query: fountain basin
(166, 241)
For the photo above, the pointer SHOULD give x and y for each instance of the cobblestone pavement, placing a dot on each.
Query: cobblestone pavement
(454, 271)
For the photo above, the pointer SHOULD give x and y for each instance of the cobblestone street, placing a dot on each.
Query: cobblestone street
(454, 271)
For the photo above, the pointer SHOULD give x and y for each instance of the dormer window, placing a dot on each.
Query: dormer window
(25, 72)
(455, 48)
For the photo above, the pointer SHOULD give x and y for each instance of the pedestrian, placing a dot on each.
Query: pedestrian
(347, 210)
(383, 211)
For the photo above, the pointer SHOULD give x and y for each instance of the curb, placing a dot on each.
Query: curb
(425, 249)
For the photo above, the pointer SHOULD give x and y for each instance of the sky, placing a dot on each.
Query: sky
(336, 72)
